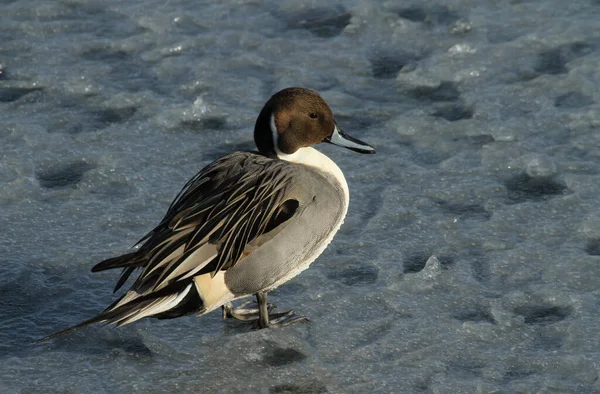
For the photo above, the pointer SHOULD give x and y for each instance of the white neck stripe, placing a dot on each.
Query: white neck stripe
(275, 136)
(310, 157)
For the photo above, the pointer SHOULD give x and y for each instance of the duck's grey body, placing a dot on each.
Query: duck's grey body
(244, 225)
(293, 245)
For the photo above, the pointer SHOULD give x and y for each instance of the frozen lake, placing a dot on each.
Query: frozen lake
(470, 258)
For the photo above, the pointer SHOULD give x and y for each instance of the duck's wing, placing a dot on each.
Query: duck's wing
(217, 218)
(222, 209)
(206, 229)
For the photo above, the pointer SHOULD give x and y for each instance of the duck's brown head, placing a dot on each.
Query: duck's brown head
(295, 118)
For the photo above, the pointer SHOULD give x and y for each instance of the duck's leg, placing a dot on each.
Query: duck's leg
(267, 320)
(248, 311)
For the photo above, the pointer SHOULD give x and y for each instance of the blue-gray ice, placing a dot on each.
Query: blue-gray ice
(470, 259)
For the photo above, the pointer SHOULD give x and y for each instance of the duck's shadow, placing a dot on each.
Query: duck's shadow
(96, 341)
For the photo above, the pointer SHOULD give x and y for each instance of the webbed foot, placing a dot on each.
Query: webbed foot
(275, 320)
(279, 320)
(248, 311)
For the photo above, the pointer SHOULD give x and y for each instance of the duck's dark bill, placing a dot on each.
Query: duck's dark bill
(339, 138)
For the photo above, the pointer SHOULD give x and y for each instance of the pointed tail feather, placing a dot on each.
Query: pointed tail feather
(178, 297)
(104, 316)
(93, 320)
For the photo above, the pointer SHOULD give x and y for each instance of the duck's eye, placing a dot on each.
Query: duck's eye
(313, 115)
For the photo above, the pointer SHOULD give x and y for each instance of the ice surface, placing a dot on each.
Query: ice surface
(470, 257)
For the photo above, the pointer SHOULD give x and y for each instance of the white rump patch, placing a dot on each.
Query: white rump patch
(212, 290)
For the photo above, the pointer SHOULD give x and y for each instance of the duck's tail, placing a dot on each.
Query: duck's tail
(93, 320)
(175, 300)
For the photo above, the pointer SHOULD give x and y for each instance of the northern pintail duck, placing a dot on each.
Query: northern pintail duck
(244, 225)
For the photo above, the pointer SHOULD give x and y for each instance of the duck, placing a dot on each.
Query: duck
(242, 226)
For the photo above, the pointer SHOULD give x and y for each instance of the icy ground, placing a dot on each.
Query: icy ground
(486, 117)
